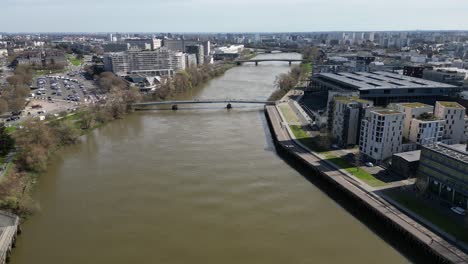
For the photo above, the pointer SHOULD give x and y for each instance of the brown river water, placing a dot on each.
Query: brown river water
(202, 185)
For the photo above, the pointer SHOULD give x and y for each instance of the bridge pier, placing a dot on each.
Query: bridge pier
(228, 106)
(290, 62)
(174, 107)
(256, 63)
(239, 63)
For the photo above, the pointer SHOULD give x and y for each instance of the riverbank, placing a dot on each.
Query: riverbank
(393, 218)
(17, 185)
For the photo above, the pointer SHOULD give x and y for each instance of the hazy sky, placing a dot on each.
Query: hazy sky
(230, 15)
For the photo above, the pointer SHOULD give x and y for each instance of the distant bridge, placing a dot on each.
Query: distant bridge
(256, 61)
(229, 102)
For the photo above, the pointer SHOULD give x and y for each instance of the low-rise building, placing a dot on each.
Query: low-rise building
(406, 164)
(381, 134)
(346, 119)
(445, 169)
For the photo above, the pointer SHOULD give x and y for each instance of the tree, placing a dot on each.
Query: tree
(34, 133)
(182, 82)
(7, 143)
(16, 104)
(3, 106)
(64, 132)
(87, 119)
(107, 81)
(310, 53)
(284, 81)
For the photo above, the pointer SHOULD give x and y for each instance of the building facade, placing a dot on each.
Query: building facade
(381, 134)
(150, 62)
(346, 119)
(445, 169)
(454, 115)
(420, 125)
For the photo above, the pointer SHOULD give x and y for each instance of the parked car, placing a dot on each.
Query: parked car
(458, 210)
(369, 164)
(36, 106)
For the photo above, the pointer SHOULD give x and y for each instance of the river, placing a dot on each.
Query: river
(194, 186)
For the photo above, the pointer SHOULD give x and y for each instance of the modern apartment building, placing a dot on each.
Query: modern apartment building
(446, 170)
(454, 115)
(346, 119)
(420, 124)
(381, 133)
(155, 62)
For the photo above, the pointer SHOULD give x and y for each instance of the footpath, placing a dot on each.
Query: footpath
(286, 141)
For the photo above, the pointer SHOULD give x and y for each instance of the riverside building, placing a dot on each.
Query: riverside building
(346, 119)
(454, 115)
(384, 87)
(445, 168)
(159, 62)
(420, 125)
(381, 134)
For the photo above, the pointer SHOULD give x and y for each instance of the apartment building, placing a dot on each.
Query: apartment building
(454, 115)
(381, 133)
(148, 62)
(347, 115)
(420, 124)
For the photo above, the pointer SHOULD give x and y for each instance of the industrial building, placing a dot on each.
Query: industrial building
(384, 87)
(445, 168)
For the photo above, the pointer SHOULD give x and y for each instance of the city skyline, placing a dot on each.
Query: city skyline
(239, 16)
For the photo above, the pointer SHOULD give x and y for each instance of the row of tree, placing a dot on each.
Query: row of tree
(287, 81)
(188, 79)
(13, 94)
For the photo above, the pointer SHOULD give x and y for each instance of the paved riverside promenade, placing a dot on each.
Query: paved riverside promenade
(285, 140)
(9, 227)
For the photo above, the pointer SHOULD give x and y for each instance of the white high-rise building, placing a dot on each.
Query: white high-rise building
(346, 116)
(381, 133)
(158, 62)
(454, 115)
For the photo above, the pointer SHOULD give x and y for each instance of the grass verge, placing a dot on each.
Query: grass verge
(355, 171)
(431, 214)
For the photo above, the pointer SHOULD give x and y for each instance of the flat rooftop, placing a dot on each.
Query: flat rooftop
(457, 151)
(415, 105)
(385, 111)
(409, 156)
(382, 80)
(451, 104)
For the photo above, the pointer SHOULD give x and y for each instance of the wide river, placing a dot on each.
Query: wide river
(201, 185)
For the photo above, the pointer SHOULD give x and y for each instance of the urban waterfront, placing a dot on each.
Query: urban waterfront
(200, 186)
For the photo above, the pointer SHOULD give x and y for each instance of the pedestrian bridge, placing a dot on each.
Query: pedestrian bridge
(256, 61)
(175, 104)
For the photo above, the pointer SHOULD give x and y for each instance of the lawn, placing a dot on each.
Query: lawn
(355, 171)
(431, 214)
(313, 143)
(288, 113)
(75, 61)
(10, 129)
(46, 72)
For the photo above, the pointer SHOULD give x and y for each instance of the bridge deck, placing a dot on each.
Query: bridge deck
(204, 102)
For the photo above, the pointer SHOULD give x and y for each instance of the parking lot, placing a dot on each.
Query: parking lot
(66, 88)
